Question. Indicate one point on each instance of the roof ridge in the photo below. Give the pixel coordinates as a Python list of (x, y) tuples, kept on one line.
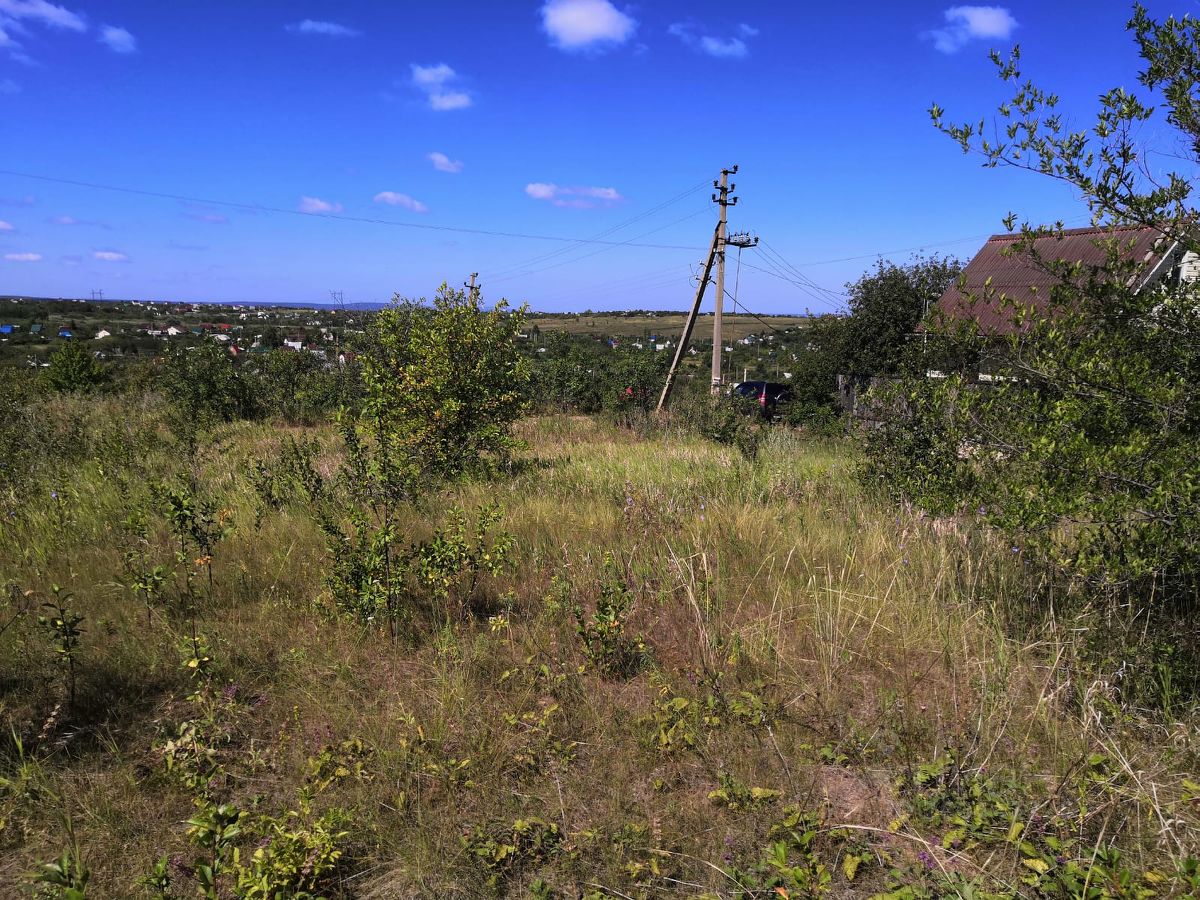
[(1072, 232)]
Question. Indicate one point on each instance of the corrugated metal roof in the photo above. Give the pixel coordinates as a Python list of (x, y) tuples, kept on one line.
[(1017, 279)]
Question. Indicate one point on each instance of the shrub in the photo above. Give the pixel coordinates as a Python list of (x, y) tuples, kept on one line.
[(73, 368), (443, 384)]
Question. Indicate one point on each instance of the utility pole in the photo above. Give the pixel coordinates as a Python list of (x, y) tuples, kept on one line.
[(337, 297), (684, 338), (473, 288), (725, 201)]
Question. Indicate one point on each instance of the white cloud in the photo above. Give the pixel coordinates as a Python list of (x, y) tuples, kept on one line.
[(109, 256), (391, 198), (118, 40), (443, 163), (43, 12), (317, 205), (7, 85), (968, 23), (580, 24), (446, 100), (431, 77), (730, 47), (64, 220), (330, 29), (540, 191), (576, 197), (23, 257), (435, 82), (694, 36), (6, 226)]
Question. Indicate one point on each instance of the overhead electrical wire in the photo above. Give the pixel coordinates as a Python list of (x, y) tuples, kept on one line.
[(787, 267), (341, 217), (566, 262), (506, 270), (792, 281)]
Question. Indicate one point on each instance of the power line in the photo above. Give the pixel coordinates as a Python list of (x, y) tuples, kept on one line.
[(753, 315), (806, 285), (647, 281), (788, 267), (567, 262), (776, 274), (341, 217), (507, 270)]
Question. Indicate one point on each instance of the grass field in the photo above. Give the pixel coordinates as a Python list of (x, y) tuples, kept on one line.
[(662, 325), (811, 693)]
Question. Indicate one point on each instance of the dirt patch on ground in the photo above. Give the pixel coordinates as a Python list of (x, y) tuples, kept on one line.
[(855, 797)]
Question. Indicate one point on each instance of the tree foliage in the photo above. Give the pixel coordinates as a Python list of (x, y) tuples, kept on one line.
[(886, 306), (205, 384), (444, 383), (73, 368), (1087, 443)]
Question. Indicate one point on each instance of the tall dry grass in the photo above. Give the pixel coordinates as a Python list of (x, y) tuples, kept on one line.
[(869, 639)]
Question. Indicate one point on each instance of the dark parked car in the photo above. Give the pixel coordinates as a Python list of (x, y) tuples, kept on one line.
[(769, 395)]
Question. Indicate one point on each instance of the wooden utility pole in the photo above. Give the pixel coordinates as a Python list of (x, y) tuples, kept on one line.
[(472, 288), (681, 347), (725, 201)]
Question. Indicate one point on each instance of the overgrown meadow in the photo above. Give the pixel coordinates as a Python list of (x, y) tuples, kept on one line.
[(651, 666)]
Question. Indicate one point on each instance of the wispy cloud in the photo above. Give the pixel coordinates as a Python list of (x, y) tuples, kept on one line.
[(329, 29), (697, 37), (586, 24), (437, 83), (117, 39), (208, 218), (7, 85), (109, 256), (969, 23), (574, 197), (443, 163), (27, 200), (391, 198), (23, 257), (6, 226), (16, 17), (71, 220), (317, 205), (42, 12)]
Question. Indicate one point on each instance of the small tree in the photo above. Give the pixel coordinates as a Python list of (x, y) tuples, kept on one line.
[(204, 382), (442, 386), (885, 308), (73, 368), (1087, 444), (444, 383)]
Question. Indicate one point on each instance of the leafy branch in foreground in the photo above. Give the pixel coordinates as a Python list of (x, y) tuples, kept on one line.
[(1085, 443)]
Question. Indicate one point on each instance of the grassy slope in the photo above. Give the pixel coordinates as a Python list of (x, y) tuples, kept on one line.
[(867, 634)]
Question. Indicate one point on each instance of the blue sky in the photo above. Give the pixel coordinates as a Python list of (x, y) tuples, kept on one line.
[(561, 119)]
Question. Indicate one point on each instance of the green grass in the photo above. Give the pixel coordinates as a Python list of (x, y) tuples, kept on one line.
[(804, 638)]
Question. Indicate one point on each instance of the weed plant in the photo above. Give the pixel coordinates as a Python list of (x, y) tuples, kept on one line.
[(694, 675)]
